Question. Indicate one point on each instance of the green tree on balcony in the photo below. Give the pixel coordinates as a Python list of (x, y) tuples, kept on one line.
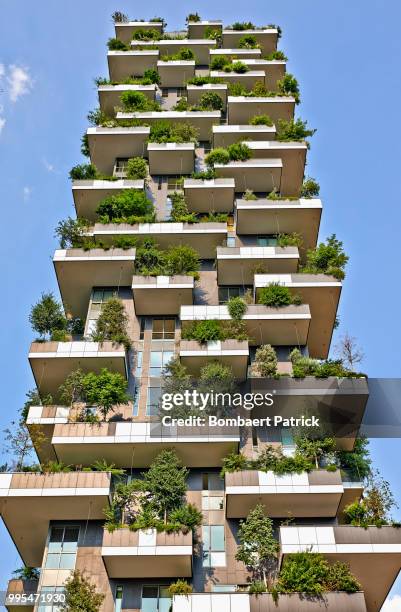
[(112, 323), (81, 594)]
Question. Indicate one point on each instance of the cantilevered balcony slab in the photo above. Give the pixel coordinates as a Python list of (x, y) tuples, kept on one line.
[(237, 265), (175, 73), (203, 237), (171, 158), (214, 195), (88, 194), (259, 175), (293, 157), (29, 501), (265, 602), (161, 295), (106, 144), (236, 54), (110, 95), (147, 554), (116, 441), (52, 362), (126, 64), (266, 38), (17, 590), (202, 120), (316, 494), (280, 217), (126, 30), (78, 271), (246, 79), (285, 326), (322, 293), (241, 109), (232, 353), (373, 554), (195, 92), (225, 135), (273, 70), (198, 29), (200, 47)]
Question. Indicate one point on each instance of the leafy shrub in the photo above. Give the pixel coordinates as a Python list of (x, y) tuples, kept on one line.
[(47, 316), (179, 209), (238, 67), (146, 34), (266, 360), (217, 156), (248, 42), (112, 323), (150, 261), (310, 188), (119, 17), (276, 55), (288, 86), (179, 587), (193, 18), (242, 25), (249, 195), (205, 175), (187, 515), (276, 296), (83, 172), (234, 462), (239, 151), (105, 390), (183, 54), (115, 44), (182, 105), (257, 587), (211, 101), (294, 239), (136, 101), (218, 62), (203, 80), (151, 75), (70, 232), (236, 308), (85, 145), (327, 258), (293, 130), (137, 168), (236, 89), (202, 331), (163, 131), (182, 259), (261, 120), (128, 203)]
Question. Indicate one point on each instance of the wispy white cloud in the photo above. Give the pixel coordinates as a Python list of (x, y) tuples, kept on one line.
[(2, 70), (49, 167), (392, 604), (2, 124), (26, 192), (19, 82)]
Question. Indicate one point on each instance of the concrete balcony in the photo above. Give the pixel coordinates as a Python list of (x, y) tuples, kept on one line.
[(110, 95), (316, 494), (147, 554), (171, 158), (225, 135), (322, 293), (115, 440), (273, 70), (161, 295), (88, 194), (197, 29), (241, 109), (16, 590), (107, 144), (237, 265), (78, 271), (259, 175), (195, 92), (52, 362), (203, 237), (236, 54), (246, 79), (126, 64), (373, 554), (175, 73), (339, 403), (29, 501), (291, 602), (266, 38), (280, 216), (125, 31), (285, 326), (202, 120), (215, 195), (200, 47), (232, 353), (293, 157)]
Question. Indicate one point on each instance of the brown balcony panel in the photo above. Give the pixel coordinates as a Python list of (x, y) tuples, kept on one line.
[(110, 95), (156, 295), (266, 39), (215, 195), (88, 194), (241, 109), (237, 265), (125, 64), (107, 144), (232, 353), (126, 30)]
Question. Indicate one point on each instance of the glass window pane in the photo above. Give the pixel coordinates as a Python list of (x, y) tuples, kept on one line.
[(167, 356), (156, 359), (71, 535), (217, 537), (56, 534), (216, 483), (157, 326), (206, 559), (206, 536), (169, 325), (164, 603), (52, 561), (97, 295), (205, 502), (215, 503), (217, 559), (67, 561)]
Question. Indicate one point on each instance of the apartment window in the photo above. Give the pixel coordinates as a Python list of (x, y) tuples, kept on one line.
[(163, 329), (119, 599), (266, 241), (225, 293), (153, 401), (174, 182), (98, 299), (213, 546), (142, 328), (158, 361), (48, 592), (230, 242), (62, 548), (224, 588), (212, 502), (120, 167), (138, 365), (155, 598), (211, 482)]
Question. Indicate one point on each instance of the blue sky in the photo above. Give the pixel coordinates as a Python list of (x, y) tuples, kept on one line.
[(346, 57)]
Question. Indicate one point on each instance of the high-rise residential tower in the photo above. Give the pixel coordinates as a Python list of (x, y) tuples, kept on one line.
[(194, 263)]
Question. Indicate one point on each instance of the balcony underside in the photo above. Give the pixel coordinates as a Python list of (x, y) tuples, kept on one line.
[(241, 110), (88, 194)]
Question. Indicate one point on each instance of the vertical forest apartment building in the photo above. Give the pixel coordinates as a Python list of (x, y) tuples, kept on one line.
[(198, 223)]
